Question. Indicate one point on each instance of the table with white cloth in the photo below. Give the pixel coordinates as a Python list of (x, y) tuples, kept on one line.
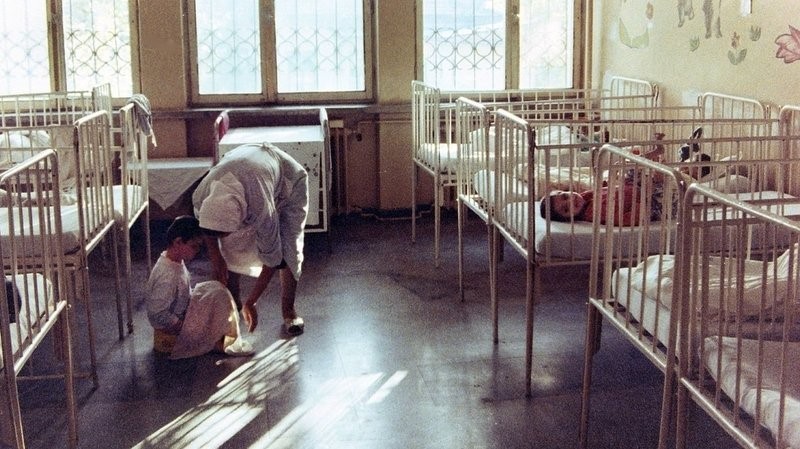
[(170, 178), (308, 146)]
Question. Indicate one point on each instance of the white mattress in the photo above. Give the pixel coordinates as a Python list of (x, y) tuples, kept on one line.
[(135, 201), (484, 186), (549, 137), (69, 223), (650, 286), (575, 240), (770, 387), (448, 156), (651, 315), (569, 240), (36, 299)]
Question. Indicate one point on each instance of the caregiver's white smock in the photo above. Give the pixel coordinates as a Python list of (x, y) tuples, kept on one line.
[(259, 194)]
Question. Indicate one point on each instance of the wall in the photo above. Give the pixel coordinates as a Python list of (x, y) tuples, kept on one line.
[(378, 163), (686, 57)]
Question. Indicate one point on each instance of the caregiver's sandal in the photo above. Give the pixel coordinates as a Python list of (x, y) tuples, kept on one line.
[(293, 326)]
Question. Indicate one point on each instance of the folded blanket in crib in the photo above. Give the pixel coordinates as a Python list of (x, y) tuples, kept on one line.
[(654, 277)]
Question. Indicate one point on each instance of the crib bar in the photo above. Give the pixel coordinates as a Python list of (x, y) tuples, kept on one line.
[(36, 294), (94, 154), (717, 105), (738, 337), (511, 218), (473, 131), (131, 197)]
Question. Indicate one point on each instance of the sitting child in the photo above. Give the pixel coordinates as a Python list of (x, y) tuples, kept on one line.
[(189, 321)]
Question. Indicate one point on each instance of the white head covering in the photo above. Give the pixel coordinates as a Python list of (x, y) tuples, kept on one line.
[(224, 209)]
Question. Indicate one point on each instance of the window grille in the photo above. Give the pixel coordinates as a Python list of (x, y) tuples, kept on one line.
[(92, 42)]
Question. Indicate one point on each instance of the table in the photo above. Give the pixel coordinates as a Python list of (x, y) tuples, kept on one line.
[(169, 178)]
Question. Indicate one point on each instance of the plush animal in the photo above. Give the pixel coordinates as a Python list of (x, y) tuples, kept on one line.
[(690, 152)]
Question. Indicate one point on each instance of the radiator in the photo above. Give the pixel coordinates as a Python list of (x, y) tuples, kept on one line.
[(340, 137)]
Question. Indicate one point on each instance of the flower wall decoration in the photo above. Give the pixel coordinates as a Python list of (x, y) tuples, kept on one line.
[(736, 54), (788, 46)]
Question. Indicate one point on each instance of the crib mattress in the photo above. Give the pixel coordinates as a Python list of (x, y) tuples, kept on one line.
[(136, 200), (574, 241), (37, 300), (570, 241), (447, 155), (69, 222), (645, 309), (726, 347)]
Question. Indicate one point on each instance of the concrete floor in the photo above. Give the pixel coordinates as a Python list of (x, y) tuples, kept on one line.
[(391, 358)]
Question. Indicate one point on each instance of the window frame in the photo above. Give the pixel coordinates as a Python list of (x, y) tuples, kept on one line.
[(512, 48), (269, 71), (57, 54)]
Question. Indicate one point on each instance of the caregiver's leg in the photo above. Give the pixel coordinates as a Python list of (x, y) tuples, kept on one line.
[(233, 286), (288, 291)]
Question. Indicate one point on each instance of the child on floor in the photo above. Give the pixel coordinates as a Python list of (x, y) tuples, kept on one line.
[(189, 321)]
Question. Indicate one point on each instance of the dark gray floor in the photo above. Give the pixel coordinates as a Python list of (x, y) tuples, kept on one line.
[(391, 358)]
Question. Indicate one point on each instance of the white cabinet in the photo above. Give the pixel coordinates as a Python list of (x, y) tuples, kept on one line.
[(310, 146)]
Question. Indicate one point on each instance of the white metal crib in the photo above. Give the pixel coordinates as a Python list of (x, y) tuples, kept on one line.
[(36, 299), (435, 147)]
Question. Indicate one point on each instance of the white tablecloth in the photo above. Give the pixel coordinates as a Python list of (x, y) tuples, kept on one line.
[(169, 178)]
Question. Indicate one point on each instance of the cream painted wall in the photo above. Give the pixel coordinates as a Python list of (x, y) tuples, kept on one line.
[(668, 59), (378, 166), (163, 73), (396, 64)]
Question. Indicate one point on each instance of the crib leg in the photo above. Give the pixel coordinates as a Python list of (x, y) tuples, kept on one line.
[(591, 346), (69, 378), (83, 278), (126, 260), (461, 217), (414, 176), (531, 282), (117, 284), (492, 238), (438, 191)]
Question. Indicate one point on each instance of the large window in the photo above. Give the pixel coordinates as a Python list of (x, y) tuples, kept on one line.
[(279, 50), (88, 43), (498, 44)]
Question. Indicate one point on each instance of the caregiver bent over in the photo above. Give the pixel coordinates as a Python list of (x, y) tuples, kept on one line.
[(252, 207)]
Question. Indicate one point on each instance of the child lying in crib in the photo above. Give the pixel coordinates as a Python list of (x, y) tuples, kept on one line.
[(189, 321), (566, 206)]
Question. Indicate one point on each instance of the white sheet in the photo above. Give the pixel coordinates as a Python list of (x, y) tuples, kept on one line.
[(652, 316), (649, 286), (135, 200), (448, 156), (770, 387), (170, 178), (552, 137), (37, 298), (653, 278), (69, 224), (575, 240)]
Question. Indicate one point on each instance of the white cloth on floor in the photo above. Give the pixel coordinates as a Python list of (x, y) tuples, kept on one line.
[(210, 316)]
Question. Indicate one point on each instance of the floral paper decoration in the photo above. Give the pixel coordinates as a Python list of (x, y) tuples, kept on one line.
[(788, 46)]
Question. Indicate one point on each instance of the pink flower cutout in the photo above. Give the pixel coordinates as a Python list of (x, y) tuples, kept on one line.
[(788, 46)]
